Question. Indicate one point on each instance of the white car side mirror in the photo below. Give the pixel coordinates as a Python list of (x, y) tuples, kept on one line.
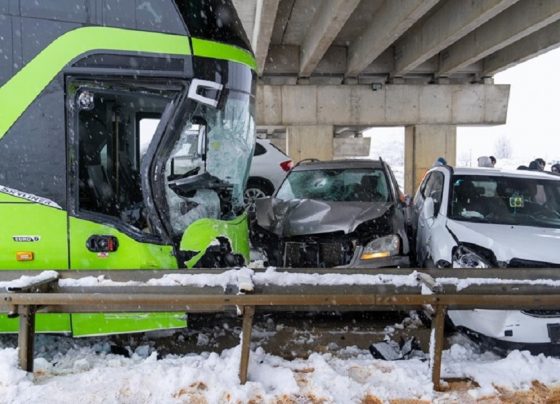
[(428, 211)]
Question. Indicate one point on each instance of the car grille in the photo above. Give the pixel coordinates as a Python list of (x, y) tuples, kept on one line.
[(304, 254)]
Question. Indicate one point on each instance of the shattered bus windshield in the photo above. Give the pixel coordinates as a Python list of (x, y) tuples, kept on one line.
[(506, 200), (209, 163), (336, 185)]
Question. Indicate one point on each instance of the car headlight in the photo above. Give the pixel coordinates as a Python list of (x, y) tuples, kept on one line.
[(464, 257), (382, 247)]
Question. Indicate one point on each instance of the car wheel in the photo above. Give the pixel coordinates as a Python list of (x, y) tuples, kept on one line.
[(256, 189)]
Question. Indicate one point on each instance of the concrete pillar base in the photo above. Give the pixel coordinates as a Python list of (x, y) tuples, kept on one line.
[(423, 144), (305, 142)]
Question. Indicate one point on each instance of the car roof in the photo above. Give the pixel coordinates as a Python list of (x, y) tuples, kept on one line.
[(337, 164), (500, 172)]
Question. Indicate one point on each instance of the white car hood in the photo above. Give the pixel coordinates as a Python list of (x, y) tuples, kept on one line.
[(507, 241)]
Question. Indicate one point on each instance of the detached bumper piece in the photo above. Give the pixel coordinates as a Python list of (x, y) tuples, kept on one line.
[(391, 351)]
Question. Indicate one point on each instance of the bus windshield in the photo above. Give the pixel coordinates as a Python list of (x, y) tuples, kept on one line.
[(208, 166)]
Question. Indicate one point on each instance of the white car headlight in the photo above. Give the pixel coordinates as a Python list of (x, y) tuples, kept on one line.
[(464, 257), (382, 247)]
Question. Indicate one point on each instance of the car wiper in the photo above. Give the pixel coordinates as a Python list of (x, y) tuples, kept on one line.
[(475, 219)]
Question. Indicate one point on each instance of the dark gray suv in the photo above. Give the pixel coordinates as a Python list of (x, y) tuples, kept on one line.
[(334, 214)]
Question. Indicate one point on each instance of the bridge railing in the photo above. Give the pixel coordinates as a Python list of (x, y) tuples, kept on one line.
[(248, 291)]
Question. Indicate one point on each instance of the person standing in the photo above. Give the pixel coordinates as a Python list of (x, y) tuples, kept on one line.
[(484, 161)]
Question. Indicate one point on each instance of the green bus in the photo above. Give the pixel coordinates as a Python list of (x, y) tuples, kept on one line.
[(126, 133)]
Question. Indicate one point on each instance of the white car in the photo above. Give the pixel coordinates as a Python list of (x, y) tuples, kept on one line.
[(268, 169), (482, 218)]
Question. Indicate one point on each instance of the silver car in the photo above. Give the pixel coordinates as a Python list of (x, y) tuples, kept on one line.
[(334, 214)]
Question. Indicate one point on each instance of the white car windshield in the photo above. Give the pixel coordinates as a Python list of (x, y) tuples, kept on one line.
[(336, 185), (506, 200)]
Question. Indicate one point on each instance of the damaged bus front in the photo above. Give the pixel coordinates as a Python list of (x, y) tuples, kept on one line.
[(126, 143)]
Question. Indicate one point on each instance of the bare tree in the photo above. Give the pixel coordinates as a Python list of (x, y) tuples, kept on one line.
[(503, 148)]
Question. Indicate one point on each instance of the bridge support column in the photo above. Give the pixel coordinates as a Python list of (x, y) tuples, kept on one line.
[(314, 141), (422, 146)]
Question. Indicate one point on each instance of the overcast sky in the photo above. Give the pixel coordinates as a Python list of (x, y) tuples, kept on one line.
[(533, 121)]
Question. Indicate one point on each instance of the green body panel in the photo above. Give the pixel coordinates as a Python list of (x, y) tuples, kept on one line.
[(44, 323), (217, 50), (20, 91), (29, 219), (86, 325), (7, 198), (200, 234), (131, 254)]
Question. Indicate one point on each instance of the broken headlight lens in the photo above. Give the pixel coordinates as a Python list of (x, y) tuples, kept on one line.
[(464, 257), (382, 247)]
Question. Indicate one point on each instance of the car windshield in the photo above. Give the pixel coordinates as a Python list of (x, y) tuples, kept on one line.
[(336, 185), (506, 200)]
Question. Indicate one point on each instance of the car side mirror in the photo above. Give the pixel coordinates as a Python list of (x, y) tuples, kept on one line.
[(428, 209)]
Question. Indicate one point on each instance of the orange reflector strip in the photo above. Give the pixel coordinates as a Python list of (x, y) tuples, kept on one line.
[(24, 256)]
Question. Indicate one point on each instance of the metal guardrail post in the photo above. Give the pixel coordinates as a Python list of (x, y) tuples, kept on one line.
[(26, 337), (438, 325), (248, 314)]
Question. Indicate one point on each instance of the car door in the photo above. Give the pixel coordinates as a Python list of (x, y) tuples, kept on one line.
[(433, 188)]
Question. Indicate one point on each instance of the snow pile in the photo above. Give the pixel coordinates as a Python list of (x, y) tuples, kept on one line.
[(514, 372), (461, 284), (93, 375), (271, 276), (218, 279), (25, 280), (243, 275)]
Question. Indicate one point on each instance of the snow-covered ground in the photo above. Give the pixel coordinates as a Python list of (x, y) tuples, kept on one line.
[(72, 371)]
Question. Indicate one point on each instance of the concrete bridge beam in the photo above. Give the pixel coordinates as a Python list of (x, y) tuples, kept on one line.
[(390, 105), (332, 17), (454, 20), (392, 20), (262, 31), (529, 47), (515, 23)]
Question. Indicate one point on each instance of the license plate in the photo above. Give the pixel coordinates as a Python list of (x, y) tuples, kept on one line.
[(554, 333)]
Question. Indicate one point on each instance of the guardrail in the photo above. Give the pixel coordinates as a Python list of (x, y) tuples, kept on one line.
[(248, 291)]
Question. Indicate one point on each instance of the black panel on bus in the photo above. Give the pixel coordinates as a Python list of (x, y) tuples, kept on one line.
[(215, 20)]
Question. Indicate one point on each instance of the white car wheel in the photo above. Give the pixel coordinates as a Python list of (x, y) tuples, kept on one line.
[(250, 195)]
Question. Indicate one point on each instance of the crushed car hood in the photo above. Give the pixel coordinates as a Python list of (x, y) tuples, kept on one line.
[(298, 217), (508, 242)]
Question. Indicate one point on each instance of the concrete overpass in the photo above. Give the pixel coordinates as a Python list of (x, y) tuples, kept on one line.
[(330, 67)]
